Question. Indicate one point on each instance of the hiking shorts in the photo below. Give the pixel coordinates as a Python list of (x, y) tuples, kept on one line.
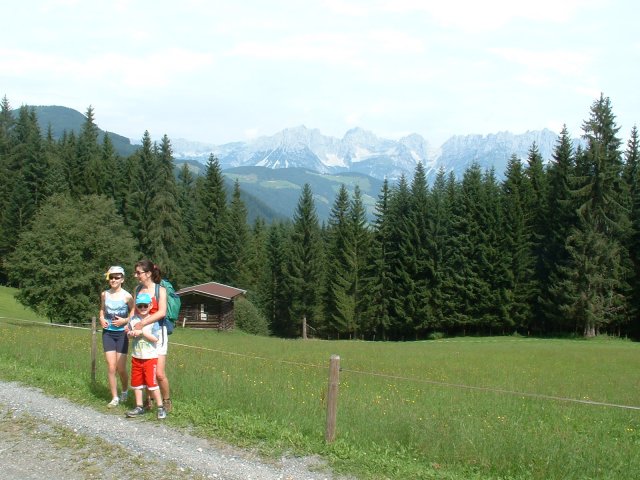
[(163, 342), (143, 373), (115, 340)]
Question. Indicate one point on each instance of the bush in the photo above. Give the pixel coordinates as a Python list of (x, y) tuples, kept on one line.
[(249, 319)]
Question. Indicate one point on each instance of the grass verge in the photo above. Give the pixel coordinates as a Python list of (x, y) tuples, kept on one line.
[(485, 408)]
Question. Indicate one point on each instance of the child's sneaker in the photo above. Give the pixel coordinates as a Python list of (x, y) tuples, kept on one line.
[(162, 413), (123, 396), (136, 412), (113, 403)]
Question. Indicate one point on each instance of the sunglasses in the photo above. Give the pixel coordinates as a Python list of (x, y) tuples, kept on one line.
[(115, 277), (139, 273), (142, 305)]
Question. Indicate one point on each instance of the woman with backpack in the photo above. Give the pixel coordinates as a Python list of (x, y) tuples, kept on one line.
[(149, 278)]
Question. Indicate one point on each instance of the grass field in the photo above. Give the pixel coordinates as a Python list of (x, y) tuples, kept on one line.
[(499, 408)]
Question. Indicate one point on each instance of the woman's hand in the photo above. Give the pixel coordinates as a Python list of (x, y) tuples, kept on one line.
[(104, 323)]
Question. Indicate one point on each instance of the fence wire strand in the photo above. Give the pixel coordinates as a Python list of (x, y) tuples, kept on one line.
[(539, 396)]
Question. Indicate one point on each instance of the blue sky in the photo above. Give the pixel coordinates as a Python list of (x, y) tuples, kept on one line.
[(227, 71)]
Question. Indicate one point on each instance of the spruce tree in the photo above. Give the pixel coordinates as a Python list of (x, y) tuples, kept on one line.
[(166, 232), (275, 289), (140, 174), (538, 213), (422, 247), (187, 206), (378, 315), (439, 229), (239, 241), (517, 244), (304, 270), (561, 220), (211, 225), (603, 228), (339, 307), (404, 295), (87, 174), (632, 180), (359, 253)]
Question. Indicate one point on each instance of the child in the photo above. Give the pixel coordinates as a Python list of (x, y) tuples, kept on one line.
[(144, 358)]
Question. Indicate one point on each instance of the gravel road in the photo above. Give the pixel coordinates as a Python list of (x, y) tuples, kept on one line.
[(46, 437)]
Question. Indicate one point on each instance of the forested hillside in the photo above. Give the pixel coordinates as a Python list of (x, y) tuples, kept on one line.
[(548, 250)]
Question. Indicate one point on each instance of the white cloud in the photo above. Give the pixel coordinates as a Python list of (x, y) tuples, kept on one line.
[(562, 62), (475, 16)]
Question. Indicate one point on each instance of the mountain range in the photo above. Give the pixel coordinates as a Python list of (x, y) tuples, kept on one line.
[(271, 170), (363, 152)]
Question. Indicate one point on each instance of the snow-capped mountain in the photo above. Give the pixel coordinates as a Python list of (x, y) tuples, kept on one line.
[(363, 152)]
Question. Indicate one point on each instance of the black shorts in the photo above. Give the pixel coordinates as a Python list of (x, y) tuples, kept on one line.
[(117, 341)]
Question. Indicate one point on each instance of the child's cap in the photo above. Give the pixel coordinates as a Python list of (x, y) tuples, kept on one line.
[(144, 298)]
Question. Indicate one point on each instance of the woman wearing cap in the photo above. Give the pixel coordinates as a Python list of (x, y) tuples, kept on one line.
[(149, 278), (116, 306)]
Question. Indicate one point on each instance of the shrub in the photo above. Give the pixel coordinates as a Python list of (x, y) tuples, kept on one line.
[(249, 319)]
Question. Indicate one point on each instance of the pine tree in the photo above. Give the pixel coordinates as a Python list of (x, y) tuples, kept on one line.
[(304, 270), (187, 206), (403, 296), (87, 174), (422, 247), (275, 291), (166, 232), (140, 174), (517, 244), (466, 287), (211, 229), (603, 224), (536, 205), (440, 231), (339, 307), (359, 254), (26, 165), (239, 241), (561, 220), (632, 180), (379, 277)]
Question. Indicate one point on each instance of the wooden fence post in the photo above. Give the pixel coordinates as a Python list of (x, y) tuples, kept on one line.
[(93, 350), (332, 398), (304, 327)]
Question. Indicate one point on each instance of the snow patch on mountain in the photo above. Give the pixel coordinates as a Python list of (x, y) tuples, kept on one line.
[(362, 151)]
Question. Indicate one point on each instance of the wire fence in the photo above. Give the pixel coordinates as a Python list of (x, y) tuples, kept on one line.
[(387, 376)]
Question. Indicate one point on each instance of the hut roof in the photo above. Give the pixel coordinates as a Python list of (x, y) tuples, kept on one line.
[(213, 290)]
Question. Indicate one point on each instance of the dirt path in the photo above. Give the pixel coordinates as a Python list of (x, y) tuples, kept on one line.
[(52, 438)]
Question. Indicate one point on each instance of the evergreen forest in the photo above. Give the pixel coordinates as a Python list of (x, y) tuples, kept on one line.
[(550, 249)]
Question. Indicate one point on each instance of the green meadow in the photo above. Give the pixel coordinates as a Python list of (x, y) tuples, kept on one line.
[(463, 408)]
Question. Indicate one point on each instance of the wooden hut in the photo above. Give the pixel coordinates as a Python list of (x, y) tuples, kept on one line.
[(208, 305)]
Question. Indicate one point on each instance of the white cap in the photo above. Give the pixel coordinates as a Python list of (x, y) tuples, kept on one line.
[(116, 269)]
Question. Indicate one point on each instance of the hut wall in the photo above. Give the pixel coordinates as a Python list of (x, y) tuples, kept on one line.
[(204, 312)]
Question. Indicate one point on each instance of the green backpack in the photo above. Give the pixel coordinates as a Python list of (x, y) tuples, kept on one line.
[(173, 305)]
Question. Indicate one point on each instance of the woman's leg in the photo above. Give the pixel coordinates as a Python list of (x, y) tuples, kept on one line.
[(163, 381), (121, 367), (111, 358)]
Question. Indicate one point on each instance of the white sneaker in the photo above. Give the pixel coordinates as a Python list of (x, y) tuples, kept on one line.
[(113, 403), (123, 396)]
